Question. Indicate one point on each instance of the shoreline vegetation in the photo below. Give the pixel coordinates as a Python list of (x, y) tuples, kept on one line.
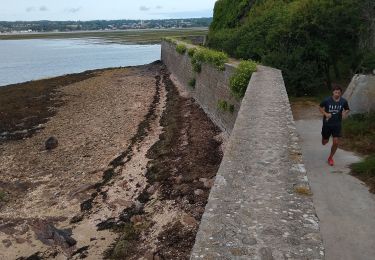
[(142, 36)]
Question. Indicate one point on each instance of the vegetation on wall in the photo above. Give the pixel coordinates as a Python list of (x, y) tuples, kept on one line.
[(204, 55), (192, 82), (239, 81), (181, 48), (224, 106), (312, 42)]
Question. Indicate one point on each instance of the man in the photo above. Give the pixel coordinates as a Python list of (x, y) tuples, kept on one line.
[(333, 109)]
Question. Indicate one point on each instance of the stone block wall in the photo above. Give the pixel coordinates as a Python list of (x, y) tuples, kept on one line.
[(211, 86)]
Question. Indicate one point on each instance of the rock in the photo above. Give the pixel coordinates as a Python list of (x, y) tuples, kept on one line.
[(152, 189), (136, 219), (50, 235), (86, 205), (178, 179), (20, 240), (76, 219), (51, 143), (209, 183), (199, 192), (7, 243), (361, 94), (189, 221)]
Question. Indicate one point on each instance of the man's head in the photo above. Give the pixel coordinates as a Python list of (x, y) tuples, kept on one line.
[(336, 91)]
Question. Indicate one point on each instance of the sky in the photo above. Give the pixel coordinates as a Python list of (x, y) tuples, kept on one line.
[(60, 10)]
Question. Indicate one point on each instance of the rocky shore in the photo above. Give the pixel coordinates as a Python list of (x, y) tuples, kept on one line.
[(129, 174)]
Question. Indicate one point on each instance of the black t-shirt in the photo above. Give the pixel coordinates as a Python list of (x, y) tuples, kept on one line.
[(334, 108)]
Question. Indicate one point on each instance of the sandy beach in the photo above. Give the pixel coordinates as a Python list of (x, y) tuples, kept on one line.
[(130, 175)]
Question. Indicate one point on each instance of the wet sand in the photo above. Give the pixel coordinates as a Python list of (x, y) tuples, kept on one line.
[(134, 158)]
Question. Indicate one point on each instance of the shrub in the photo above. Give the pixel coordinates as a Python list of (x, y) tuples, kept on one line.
[(191, 52), (231, 108), (222, 105), (204, 55), (241, 77), (192, 82), (181, 48), (3, 196)]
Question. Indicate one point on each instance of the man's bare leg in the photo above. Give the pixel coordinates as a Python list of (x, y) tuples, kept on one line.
[(325, 141), (334, 147)]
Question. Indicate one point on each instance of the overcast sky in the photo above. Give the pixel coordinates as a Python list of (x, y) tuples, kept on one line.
[(30, 10)]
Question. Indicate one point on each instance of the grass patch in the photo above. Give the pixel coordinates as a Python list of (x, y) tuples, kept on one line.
[(191, 52), (365, 171), (359, 133), (192, 82), (241, 77), (181, 48), (3, 196), (231, 108)]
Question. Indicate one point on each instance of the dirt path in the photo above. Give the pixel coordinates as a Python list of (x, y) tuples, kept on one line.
[(343, 204), (110, 182)]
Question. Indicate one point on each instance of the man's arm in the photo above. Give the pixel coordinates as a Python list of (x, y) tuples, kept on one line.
[(324, 113), (346, 110)]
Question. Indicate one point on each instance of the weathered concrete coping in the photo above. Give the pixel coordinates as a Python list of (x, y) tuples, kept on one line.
[(254, 210)]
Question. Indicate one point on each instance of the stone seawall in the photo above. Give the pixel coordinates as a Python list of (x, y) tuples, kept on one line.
[(260, 206), (211, 85)]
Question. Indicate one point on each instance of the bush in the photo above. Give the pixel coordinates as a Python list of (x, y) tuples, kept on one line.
[(192, 83), (204, 55), (191, 52), (181, 48), (222, 105), (240, 79)]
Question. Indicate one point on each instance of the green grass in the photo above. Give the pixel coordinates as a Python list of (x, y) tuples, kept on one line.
[(181, 48), (192, 82), (359, 136), (240, 79), (3, 196), (132, 36), (366, 167), (359, 133), (365, 171)]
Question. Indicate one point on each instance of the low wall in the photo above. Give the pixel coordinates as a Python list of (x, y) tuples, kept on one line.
[(211, 85), (259, 206)]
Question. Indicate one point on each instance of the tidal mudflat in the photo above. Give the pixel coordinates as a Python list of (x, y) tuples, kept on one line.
[(129, 178)]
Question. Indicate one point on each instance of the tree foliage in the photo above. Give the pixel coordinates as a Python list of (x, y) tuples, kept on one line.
[(312, 42)]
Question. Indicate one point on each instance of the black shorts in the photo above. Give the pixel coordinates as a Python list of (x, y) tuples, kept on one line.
[(328, 130)]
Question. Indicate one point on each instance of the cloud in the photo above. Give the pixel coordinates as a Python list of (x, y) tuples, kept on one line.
[(144, 8), (158, 7), (73, 10), (30, 9), (186, 14), (43, 8)]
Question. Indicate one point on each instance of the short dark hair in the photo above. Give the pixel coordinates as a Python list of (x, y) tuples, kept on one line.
[(336, 87)]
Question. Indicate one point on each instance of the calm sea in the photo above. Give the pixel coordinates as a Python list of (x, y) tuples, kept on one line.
[(24, 60)]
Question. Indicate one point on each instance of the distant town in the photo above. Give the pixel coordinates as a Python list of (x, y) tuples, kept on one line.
[(68, 26)]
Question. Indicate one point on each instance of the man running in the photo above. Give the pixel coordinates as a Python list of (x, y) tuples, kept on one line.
[(333, 109)]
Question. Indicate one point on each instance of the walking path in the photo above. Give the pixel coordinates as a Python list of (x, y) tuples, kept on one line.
[(344, 206)]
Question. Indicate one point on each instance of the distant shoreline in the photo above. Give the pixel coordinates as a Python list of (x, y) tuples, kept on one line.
[(128, 35)]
